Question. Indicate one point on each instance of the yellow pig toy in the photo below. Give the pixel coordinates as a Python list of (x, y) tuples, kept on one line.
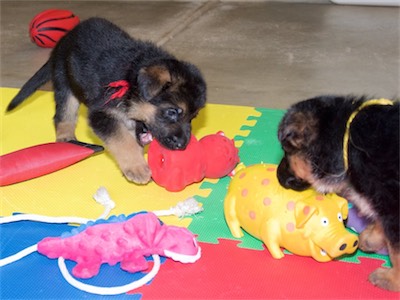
[(305, 223)]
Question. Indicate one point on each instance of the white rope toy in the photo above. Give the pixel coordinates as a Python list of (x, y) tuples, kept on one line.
[(182, 209)]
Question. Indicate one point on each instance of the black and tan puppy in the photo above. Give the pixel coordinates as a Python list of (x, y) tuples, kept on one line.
[(350, 146), (133, 90)]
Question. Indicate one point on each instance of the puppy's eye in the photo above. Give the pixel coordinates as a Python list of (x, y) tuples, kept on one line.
[(166, 86), (173, 114)]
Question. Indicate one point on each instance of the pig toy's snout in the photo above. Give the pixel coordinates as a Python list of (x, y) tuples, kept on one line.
[(344, 246), (351, 244), (347, 244)]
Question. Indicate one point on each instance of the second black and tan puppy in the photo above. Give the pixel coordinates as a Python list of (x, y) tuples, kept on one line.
[(350, 146), (133, 90)]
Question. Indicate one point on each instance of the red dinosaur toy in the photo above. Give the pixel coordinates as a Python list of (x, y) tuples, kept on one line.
[(213, 156)]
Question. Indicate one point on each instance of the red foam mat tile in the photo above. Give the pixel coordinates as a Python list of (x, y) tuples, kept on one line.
[(227, 272)]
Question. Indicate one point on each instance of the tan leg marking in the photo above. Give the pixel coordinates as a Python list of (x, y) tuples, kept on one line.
[(372, 239), (65, 129), (388, 278), (129, 156)]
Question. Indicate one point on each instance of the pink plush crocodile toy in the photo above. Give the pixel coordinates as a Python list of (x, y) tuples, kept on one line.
[(123, 239)]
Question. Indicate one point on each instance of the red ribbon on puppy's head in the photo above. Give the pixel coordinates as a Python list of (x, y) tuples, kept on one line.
[(122, 87)]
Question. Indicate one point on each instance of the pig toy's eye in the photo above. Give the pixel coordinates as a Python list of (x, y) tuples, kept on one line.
[(339, 216), (324, 222)]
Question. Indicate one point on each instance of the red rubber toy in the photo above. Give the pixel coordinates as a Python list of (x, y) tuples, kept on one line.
[(42, 159), (213, 156), (49, 26)]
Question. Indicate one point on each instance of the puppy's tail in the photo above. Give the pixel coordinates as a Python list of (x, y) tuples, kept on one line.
[(36, 81)]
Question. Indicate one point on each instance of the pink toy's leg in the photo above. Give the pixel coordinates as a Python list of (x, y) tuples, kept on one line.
[(134, 263), (86, 269)]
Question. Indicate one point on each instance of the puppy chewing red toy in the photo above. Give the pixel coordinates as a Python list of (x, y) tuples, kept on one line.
[(213, 156)]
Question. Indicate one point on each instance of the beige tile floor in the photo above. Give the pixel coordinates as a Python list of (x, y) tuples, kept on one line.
[(262, 54)]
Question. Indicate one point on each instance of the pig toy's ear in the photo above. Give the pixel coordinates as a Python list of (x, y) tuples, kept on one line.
[(344, 207), (341, 202), (303, 212)]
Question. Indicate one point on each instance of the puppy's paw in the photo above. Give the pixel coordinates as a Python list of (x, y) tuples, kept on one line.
[(140, 174), (372, 239), (65, 131), (386, 279), (368, 244), (66, 139)]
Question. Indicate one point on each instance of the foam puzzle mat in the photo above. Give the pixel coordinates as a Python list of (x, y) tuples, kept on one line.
[(229, 268)]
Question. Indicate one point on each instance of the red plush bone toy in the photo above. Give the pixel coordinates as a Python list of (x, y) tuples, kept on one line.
[(213, 156)]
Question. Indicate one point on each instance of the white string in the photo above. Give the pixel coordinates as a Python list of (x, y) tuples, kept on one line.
[(44, 219), (109, 290), (103, 197), (17, 256), (37, 218), (182, 209)]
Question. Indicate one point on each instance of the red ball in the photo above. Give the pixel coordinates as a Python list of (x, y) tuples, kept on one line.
[(49, 26)]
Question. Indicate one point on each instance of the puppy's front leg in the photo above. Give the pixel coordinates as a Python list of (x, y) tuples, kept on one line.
[(67, 107), (122, 145), (388, 278), (372, 239)]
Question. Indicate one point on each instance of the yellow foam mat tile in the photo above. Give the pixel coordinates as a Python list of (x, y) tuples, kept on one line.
[(69, 192)]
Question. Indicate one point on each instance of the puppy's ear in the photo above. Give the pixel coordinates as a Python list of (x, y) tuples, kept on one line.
[(152, 79), (297, 131)]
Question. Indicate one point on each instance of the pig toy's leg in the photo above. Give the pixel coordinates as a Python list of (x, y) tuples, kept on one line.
[(231, 217), (270, 233)]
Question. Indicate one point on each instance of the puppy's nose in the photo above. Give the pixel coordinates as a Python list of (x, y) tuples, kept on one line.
[(176, 143), (290, 182), (296, 184)]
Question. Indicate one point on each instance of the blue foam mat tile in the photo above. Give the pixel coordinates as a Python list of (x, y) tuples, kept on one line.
[(38, 277)]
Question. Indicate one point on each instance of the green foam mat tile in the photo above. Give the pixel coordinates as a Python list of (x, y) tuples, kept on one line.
[(260, 145)]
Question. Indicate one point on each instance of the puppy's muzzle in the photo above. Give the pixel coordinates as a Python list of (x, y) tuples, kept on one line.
[(176, 137), (175, 142), (287, 179)]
